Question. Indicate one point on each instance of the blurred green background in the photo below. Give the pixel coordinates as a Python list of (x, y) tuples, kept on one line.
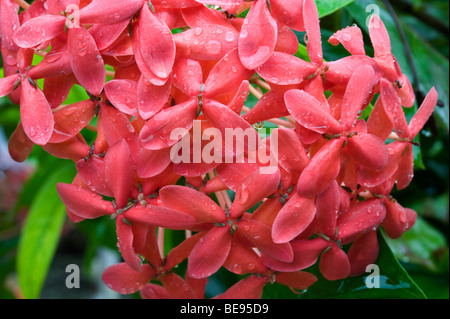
[(37, 241)]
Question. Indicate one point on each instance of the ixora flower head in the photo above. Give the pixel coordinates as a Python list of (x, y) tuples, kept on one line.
[(323, 199)]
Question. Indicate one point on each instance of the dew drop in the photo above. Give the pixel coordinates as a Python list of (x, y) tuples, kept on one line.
[(229, 36), (347, 37), (198, 31), (244, 194), (237, 269), (244, 33), (213, 46)]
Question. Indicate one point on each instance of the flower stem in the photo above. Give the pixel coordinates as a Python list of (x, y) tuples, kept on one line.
[(255, 92), (161, 241), (23, 4)]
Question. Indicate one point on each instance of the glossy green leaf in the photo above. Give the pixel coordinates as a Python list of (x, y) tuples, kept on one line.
[(327, 7), (41, 232), (420, 245)]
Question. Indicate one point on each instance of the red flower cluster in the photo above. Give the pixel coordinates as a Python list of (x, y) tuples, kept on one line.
[(325, 199)]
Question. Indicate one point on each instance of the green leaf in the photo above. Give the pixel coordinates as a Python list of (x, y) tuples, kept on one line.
[(40, 234), (419, 245), (395, 283), (327, 7)]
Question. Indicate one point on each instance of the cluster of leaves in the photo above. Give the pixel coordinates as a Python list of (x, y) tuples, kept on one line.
[(428, 254)]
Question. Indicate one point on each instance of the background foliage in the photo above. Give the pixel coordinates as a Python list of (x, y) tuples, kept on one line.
[(37, 240)]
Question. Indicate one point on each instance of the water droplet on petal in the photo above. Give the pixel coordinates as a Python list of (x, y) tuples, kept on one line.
[(198, 31), (213, 46), (229, 36)]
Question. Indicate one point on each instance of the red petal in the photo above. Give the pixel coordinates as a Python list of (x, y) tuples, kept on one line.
[(363, 252), (35, 113), (153, 291), (379, 124), (239, 98), (198, 286), (177, 287), (57, 88), (19, 145), (363, 217), (83, 202), (210, 252), (206, 42), (358, 91), (423, 113), (406, 92), (327, 205), (141, 62), (379, 37), (248, 288), (9, 11), (405, 171), (322, 170), (396, 221), (192, 202), (242, 259), (157, 47), (109, 11), (370, 178), (188, 76), (291, 154), (151, 163), (351, 38), (92, 172), (334, 264), (85, 60), (233, 174), (226, 75), (151, 98), (159, 131), (306, 253), (287, 41), (74, 149), (123, 95), (293, 218), (39, 29), (125, 239), (7, 84), (260, 236), (270, 106), (125, 280), (293, 17), (285, 69), (106, 35), (179, 253), (230, 124), (298, 280), (71, 119), (159, 216), (393, 108), (310, 113), (312, 27), (200, 16), (179, 4), (368, 151), (256, 44), (119, 172), (341, 71), (253, 189), (116, 126)]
